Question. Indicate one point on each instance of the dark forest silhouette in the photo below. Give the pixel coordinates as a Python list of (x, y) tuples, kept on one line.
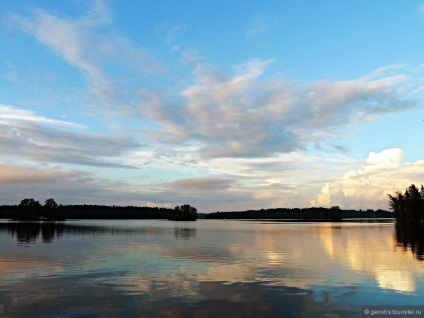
[(184, 213), (408, 209), (307, 214), (409, 206), (31, 210)]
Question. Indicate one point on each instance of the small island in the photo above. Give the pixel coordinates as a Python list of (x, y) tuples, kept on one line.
[(184, 213), (31, 210)]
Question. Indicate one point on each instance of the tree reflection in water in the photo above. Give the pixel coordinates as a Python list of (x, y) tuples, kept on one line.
[(411, 236), (184, 233), (229, 268), (29, 232)]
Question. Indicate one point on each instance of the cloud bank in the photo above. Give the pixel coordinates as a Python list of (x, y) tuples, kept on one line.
[(367, 187)]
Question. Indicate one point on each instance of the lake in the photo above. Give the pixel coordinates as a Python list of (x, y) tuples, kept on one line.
[(207, 268)]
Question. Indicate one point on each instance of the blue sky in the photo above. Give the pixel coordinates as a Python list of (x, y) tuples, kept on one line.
[(225, 105)]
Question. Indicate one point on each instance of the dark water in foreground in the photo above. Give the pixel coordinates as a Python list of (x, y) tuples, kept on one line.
[(207, 268)]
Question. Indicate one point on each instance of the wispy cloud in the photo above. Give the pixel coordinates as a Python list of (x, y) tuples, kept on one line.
[(25, 134), (249, 114), (169, 31), (84, 43), (202, 184), (68, 39), (10, 114), (260, 24)]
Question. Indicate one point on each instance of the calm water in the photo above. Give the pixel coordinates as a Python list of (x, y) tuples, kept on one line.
[(206, 268)]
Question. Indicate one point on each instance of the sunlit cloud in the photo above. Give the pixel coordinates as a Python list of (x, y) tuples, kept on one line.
[(15, 174), (367, 187)]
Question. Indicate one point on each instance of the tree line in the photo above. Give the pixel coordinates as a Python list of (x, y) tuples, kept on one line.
[(408, 206), (32, 210), (308, 214)]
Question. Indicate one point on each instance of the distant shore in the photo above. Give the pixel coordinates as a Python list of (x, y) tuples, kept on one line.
[(315, 214), (353, 220)]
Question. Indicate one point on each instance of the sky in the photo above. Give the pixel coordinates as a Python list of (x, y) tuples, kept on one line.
[(224, 105)]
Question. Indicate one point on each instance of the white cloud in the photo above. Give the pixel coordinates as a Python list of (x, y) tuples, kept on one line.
[(12, 114), (389, 158), (250, 115), (367, 187), (69, 39)]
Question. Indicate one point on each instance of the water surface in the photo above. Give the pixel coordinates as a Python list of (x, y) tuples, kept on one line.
[(206, 268)]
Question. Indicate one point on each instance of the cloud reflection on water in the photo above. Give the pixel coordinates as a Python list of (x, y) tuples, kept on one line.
[(157, 261)]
